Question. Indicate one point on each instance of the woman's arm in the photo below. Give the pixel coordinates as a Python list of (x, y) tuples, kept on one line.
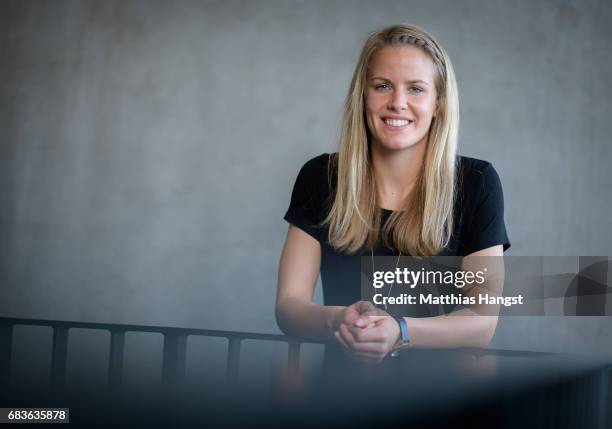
[(375, 335), (299, 267), (473, 327)]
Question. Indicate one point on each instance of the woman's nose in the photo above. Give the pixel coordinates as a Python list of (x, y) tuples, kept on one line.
[(398, 101)]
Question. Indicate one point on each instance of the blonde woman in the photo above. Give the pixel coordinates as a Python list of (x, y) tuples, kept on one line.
[(396, 187)]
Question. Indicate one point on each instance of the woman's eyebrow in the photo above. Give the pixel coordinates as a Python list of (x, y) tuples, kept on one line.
[(408, 81)]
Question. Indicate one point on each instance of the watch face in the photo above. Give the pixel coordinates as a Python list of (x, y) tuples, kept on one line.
[(399, 344), (398, 347)]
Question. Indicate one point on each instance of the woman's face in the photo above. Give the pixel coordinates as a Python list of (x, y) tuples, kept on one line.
[(400, 96)]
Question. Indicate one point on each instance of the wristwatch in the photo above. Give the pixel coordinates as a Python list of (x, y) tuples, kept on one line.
[(404, 338)]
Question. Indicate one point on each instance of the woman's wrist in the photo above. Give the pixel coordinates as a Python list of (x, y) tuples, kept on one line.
[(334, 315)]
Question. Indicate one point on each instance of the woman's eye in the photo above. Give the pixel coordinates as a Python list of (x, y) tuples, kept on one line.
[(382, 87), (415, 89)]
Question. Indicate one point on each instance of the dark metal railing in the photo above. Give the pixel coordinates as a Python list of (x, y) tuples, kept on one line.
[(174, 347)]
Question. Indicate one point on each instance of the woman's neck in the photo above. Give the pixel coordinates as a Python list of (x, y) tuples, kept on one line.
[(396, 173)]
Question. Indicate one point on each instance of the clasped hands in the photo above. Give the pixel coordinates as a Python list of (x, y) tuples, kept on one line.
[(366, 333)]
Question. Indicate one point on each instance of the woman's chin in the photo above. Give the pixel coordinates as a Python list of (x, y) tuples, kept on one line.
[(395, 145)]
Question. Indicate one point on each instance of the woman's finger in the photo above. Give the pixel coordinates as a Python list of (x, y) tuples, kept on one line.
[(360, 356), (347, 336), (364, 307), (341, 341), (351, 314), (365, 320), (369, 334)]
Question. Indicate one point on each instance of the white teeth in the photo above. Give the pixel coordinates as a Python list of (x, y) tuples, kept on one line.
[(397, 122)]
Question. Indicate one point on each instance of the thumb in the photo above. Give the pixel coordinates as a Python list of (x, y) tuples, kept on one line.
[(365, 306), (369, 321)]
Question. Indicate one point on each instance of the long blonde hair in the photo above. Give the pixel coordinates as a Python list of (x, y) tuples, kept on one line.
[(425, 224)]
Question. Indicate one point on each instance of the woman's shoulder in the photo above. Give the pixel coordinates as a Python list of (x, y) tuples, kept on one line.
[(319, 163), (475, 172), (310, 195), (473, 166), (480, 208), (479, 186), (317, 171), (314, 177)]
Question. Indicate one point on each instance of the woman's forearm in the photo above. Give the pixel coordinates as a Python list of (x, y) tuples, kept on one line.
[(458, 329), (468, 327), (301, 318)]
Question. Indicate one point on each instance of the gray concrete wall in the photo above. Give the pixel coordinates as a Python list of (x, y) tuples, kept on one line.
[(148, 148)]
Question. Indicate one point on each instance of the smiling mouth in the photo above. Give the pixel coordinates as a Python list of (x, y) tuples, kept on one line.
[(398, 123)]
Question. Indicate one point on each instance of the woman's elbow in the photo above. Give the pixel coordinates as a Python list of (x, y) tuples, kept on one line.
[(488, 324), (281, 319)]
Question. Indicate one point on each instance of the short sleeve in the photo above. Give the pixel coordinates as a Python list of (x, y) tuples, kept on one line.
[(486, 227), (305, 208)]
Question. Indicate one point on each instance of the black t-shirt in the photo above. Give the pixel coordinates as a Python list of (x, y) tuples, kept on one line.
[(478, 221)]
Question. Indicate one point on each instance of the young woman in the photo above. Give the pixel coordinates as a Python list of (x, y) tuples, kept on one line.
[(396, 187)]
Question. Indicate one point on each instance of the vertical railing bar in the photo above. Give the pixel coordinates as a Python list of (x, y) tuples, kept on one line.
[(294, 356), (181, 358), (6, 343), (58, 357), (173, 365), (233, 359), (115, 358)]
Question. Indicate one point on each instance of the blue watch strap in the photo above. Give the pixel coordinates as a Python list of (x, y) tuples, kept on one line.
[(404, 333)]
